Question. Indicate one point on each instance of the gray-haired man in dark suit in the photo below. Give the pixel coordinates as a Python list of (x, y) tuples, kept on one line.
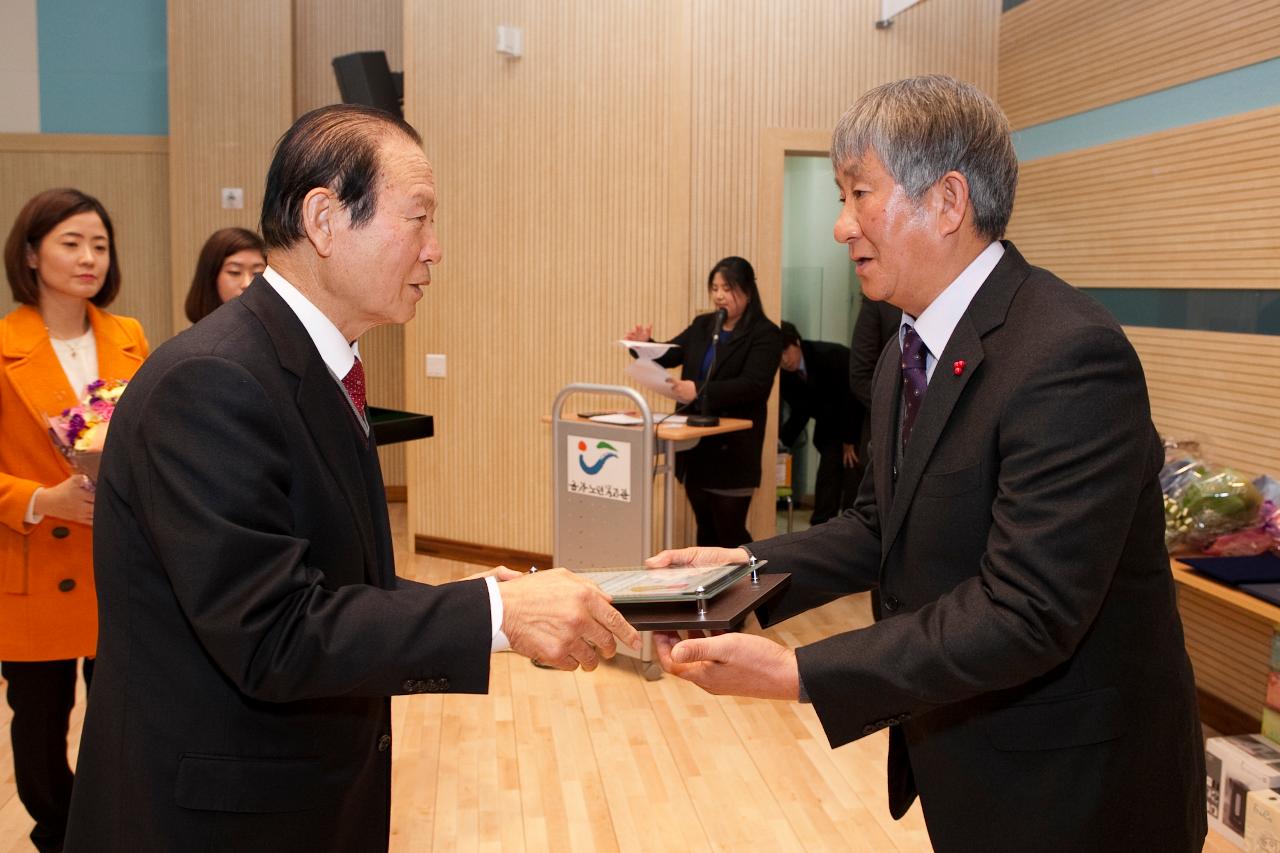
[(1028, 657)]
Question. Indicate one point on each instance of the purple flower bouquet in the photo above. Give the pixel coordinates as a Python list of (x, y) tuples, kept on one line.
[(80, 431)]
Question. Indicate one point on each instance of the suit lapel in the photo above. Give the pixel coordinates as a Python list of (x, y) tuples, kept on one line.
[(323, 407), (986, 312)]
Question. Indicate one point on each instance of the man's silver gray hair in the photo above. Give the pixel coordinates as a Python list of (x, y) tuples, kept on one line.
[(923, 127)]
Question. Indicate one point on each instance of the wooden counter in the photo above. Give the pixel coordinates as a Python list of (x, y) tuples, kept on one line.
[(1228, 636)]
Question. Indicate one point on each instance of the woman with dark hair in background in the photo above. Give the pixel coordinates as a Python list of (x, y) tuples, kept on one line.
[(60, 259), (231, 257), (722, 471)]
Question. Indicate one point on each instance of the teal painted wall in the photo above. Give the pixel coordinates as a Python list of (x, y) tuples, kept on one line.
[(104, 66), (1242, 90)]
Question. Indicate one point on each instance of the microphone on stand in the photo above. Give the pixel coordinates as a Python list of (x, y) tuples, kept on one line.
[(703, 419)]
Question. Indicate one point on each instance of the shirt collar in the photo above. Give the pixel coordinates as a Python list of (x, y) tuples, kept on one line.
[(338, 355), (936, 323)]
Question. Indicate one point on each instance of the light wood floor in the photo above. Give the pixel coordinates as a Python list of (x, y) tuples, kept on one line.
[(609, 761)]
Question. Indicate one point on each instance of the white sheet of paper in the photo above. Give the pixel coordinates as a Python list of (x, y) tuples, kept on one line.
[(649, 374), (618, 418), (647, 349)]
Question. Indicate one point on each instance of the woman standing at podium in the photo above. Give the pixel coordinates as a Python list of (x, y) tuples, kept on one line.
[(731, 380)]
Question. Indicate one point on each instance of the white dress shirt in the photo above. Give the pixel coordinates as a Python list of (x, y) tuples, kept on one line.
[(339, 356), (936, 323)]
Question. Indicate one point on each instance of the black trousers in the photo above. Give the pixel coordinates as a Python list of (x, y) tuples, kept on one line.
[(835, 487), (41, 694), (722, 520)]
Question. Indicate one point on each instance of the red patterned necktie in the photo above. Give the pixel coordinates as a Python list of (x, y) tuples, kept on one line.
[(354, 383)]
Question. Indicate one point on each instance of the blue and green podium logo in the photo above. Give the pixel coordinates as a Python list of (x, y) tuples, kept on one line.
[(594, 468)]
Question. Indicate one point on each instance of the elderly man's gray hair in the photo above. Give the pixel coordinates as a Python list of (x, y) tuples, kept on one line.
[(923, 127)]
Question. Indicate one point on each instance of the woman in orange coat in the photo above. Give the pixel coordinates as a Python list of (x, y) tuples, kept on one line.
[(60, 259)]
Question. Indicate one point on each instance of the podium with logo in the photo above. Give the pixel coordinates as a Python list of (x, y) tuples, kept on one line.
[(603, 477)]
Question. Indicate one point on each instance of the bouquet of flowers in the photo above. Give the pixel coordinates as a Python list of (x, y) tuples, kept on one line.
[(1203, 502), (80, 431)]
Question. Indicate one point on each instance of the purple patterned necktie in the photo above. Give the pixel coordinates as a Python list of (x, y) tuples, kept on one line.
[(914, 380)]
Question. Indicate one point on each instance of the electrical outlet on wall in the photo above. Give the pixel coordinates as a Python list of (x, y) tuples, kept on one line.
[(436, 367), (232, 198)]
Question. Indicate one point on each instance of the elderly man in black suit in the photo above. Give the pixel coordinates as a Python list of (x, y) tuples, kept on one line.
[(1028, 657), (815, 386), (253, 627)]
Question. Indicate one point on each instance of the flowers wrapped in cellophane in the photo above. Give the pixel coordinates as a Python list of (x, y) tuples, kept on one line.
[(80, 432), (1203, 502)]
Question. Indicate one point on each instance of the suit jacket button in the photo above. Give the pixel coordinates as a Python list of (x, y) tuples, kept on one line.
[(60, 532), (409, 685), (439, 685), (384, 743), (891, 603), (866, 730), (66, 584)]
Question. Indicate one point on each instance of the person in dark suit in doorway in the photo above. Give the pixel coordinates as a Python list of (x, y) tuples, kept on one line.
[(815, 386), (252, 626), (1027, 659)]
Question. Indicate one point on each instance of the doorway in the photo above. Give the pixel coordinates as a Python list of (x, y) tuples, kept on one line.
[(819, 288)]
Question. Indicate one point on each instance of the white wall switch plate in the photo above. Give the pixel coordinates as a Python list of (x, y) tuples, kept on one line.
[(232, 198)]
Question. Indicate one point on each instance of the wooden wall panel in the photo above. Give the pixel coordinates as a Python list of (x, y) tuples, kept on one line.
[(230, 98), (1229, 648), (761, 64), (1216, 388), (1061, 57), (1189, 207), (129, 175), (590, 185), (323, 29), (560, 228)]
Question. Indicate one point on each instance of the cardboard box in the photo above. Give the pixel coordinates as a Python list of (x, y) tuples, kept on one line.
[(1262, 829), (1234, 766)]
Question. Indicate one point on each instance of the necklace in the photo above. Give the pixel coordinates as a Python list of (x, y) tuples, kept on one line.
[(73, 346)]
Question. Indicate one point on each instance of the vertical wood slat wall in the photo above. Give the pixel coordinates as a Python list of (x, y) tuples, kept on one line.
[(1061, 57), (323, 29), (559, 229), (223, 123), (590, 185), (129, 175), (1191, 207)]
